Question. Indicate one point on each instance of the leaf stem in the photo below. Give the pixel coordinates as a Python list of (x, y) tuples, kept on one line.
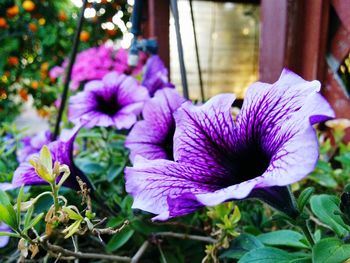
[(55, 197), (307, 232)]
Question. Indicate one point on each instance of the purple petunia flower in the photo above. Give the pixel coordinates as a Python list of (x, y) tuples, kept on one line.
[(33, 144), (156, 75), (271, 145), (152, 137), (62, 151), (116, 100)]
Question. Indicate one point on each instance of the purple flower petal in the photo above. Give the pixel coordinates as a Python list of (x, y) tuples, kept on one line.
[(116, 100), (33, 144), (4, 239), (156, 75), (151, 186), (6, 186), (278, 118), (273, 144), (62, 151), (204, 134), (152, 137)]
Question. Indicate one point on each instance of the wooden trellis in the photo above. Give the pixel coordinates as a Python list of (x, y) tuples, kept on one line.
[(310, 37)]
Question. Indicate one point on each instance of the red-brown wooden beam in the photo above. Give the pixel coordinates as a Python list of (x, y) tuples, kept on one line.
[(293, 35), (273, 39), (157, 26)]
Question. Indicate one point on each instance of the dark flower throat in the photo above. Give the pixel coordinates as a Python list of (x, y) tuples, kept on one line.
[(109, 107)]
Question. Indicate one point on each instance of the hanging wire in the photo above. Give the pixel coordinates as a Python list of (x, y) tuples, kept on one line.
[(72, 57), (175, 11), (197, 53)]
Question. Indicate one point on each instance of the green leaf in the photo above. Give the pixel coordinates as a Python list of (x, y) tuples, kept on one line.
[(115, 221), (326, 208), (72, 214), (19, 201), (324, 179), (287, 238), (46, 158), (8, 216), (270, 255), (9, 234), (144, 227), (72, 229), (7, 213), (241, 245), (114, 171), (119, 239), (28, 216), (33, 222), (330, 250), (92, 168), (304, 197), (4, 199)]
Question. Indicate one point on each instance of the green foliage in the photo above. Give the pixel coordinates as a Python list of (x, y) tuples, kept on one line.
[(117, 241), (272, 255), (330, 250), (304, 197), (241, 245), (326, 208), (246, 231), (284, 238), (9, 141), (7, 212)]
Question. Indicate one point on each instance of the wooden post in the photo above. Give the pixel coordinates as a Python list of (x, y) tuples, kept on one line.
[(158, 27), (273, 39)]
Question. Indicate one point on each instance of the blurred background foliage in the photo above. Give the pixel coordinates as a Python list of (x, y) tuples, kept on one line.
[(36, 35)]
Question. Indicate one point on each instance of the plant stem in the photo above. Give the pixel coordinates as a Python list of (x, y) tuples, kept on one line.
[(186, 236), (55, 197), (72, 57), (307, 232)]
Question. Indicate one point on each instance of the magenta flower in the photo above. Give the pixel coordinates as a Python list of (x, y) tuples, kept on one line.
[(62, 151), (56, 72), (116, 100), (152, 137), (271, 145), (33, 144), (156, 75), (94, 63)]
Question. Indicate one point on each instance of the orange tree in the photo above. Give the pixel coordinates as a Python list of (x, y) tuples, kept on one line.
[(35, 35)]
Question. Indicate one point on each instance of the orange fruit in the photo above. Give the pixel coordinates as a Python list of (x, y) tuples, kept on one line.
[(12, 60), (43, 113), (42, 21), (3, 95), (62, 16), (44, 67), (28, 5), (23, 94), (84, 36), (7, 73), (33, 27), (12, 11), (34, 84), (3, 22)]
